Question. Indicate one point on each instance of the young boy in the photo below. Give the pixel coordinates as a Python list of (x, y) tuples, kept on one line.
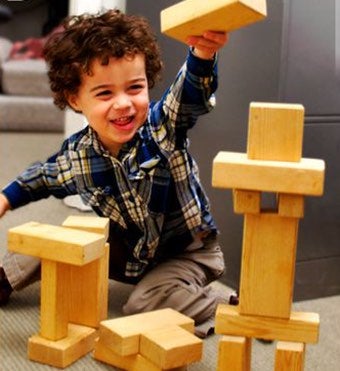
[(131, 164)]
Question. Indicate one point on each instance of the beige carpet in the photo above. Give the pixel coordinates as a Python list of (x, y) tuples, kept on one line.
[(20, 318)]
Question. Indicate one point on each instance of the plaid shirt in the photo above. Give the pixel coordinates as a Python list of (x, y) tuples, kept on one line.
[(151, 192)]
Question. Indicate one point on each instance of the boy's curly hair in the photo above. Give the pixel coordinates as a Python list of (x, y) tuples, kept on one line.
[(70, 53)]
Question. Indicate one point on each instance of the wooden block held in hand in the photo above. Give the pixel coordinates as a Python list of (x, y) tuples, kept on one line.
[(193, 17)]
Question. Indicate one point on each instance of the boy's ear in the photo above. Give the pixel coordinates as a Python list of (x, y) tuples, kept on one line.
[(73, 102)]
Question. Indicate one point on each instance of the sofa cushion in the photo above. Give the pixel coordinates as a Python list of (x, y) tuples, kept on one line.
[(25, 77), (18, 113)]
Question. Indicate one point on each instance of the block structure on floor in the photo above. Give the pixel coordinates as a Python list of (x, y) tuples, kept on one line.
[(193, 17), (157, 340), (74, 285), (272, 164)]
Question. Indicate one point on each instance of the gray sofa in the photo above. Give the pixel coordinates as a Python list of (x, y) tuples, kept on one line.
[(26, 103)]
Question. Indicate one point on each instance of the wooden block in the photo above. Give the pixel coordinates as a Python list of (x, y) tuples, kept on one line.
[(234, 170), (135, 362), (171, 347), (246, 201), (88, 287), (300, 327), (291, 205), (268, 265), (62, 353), (234, 353), (193, 17), (289, 356), (93, 224), (275, 131), (53, 301), (56, 243), (122, 334)]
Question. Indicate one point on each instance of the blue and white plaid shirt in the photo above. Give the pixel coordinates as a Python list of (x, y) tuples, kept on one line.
[(151, 192)]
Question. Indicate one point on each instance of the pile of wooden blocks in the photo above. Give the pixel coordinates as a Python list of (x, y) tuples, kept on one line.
[(74, 285), (272, 165), (154, 341)]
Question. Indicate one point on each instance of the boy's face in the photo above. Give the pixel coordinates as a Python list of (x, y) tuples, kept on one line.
[(114, 99)]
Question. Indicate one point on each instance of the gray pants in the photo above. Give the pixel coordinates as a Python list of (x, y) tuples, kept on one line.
[(180, 283)]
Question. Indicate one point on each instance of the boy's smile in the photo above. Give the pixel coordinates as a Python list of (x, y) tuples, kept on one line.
[(115, 99)]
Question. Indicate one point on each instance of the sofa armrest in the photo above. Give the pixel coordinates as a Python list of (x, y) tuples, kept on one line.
[(5, 48)]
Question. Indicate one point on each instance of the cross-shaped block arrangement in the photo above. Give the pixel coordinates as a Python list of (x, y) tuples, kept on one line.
[(193, 17), (74, 285), (272, 166), (158, 340)]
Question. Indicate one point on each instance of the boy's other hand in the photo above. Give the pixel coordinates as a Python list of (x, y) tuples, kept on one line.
[(4, 205), (208, 44)]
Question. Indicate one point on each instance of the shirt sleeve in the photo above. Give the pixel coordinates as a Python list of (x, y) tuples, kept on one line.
[(41, 180), (192, 92)]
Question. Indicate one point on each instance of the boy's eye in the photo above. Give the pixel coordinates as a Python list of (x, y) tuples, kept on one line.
[(103, 93), (136, 87)]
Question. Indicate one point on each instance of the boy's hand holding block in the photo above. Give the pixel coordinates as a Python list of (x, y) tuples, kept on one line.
[(193, 17)]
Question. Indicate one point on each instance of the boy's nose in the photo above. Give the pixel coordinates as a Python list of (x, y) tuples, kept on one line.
[(121, 103)]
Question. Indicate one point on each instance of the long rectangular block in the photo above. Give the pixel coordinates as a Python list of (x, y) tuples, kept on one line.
[(123, 334), (56, 243), (300, 327), (193, 17), (235, 171), (171, 347), (54, 300), (88, 290), (268, 265)]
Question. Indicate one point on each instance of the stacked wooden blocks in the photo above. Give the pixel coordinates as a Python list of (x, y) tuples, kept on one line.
[(74, 285), (193, 17), (154, 341), (273, 164)]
